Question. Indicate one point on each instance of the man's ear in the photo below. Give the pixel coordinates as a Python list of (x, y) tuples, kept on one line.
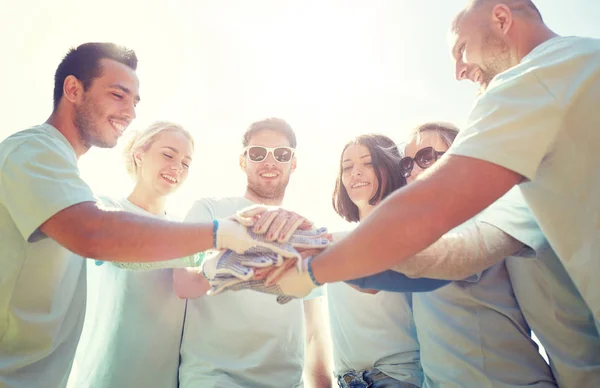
[(502, 19), (293, 167), (72, 89), (243, 162)]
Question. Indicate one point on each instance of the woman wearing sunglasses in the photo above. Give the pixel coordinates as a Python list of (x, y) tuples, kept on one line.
[(133, 327), (481, 325)]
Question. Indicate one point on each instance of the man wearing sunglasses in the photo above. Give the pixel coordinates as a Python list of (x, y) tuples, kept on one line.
[(246, 339)]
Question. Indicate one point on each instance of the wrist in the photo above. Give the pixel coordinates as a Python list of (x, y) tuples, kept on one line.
[(215, 230), (310, 272)]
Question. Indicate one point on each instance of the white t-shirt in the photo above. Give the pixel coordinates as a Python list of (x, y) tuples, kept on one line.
[(42, 284), (548, 299), (373, 331), (240, 339), (133, 326), (541, 119)]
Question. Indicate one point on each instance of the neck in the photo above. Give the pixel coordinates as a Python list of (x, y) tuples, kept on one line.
[(254, 197), (364, 211), (535, 37), (152, 203), (63, 120)]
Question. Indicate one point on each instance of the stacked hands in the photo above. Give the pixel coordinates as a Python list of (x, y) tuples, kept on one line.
[(263, 249)]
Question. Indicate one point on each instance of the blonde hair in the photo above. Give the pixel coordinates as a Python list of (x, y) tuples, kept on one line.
[(142, 140), (447, 131)]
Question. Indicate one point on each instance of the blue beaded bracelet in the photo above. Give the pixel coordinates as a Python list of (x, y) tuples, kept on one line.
[(310, 272), (215, 228)]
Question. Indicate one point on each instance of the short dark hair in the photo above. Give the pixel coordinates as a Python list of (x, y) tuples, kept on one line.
[(273, 124), (83, 63), (385, 157)]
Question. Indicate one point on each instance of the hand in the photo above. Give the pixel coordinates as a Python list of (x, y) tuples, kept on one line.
[(274, 274), (276, 223), (294, 283), (236, 237), (226, 263)]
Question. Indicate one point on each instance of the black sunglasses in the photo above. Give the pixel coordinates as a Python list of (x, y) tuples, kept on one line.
[(424, 158)]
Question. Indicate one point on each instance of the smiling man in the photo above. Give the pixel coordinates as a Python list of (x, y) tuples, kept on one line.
[(47, 213), (253, 340), (535, 125)]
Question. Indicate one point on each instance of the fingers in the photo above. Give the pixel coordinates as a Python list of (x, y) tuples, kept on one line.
[(262, 273), (276, 225), (286, 231), (252, 211), (306, 225), (264, 222), (280, 224), (276, 274)]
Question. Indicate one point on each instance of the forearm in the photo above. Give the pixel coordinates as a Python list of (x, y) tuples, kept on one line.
[(122, 236), (397, 282), (184, 262), (460, 253), (414, 217), (383, 237)]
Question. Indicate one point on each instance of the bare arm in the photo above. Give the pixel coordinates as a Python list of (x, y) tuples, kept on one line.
[(189, 283), (414, 217), (318, 368), (461, 253), (91, 232)]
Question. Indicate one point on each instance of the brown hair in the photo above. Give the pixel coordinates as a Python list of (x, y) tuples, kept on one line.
[(273, 124), (385, 157)]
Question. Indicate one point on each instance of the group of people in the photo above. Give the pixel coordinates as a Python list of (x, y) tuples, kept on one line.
[(467, 240)]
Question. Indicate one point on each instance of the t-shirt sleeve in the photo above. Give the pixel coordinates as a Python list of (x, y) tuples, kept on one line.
[(514, 124), (201, 211), (39, 178), (397, 282), (511, 214)]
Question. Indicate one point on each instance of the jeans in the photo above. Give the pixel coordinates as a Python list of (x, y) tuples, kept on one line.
[(372, 378)]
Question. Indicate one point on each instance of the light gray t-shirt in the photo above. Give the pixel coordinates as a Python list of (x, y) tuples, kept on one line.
[(133, 325), (42, 284), (541, 119), (240, 339), (373, 331)]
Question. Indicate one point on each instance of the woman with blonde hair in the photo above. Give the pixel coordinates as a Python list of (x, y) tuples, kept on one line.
[(133, 327)]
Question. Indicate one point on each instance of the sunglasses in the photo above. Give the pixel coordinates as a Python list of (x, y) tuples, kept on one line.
[(260, 153), (424, 158)]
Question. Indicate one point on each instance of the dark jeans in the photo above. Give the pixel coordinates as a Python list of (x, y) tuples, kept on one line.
[(372, 378)]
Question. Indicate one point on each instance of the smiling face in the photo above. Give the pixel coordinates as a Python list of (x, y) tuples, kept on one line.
[(478, 53), (267, 179), (424, 139), (163, 166), (358, 175), (107, 107)]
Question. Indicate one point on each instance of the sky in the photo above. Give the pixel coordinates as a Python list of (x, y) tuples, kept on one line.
[(333, 69)]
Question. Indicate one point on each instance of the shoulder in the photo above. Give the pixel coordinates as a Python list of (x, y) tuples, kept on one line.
[(112, 203), (42, 141), (222, 206)]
